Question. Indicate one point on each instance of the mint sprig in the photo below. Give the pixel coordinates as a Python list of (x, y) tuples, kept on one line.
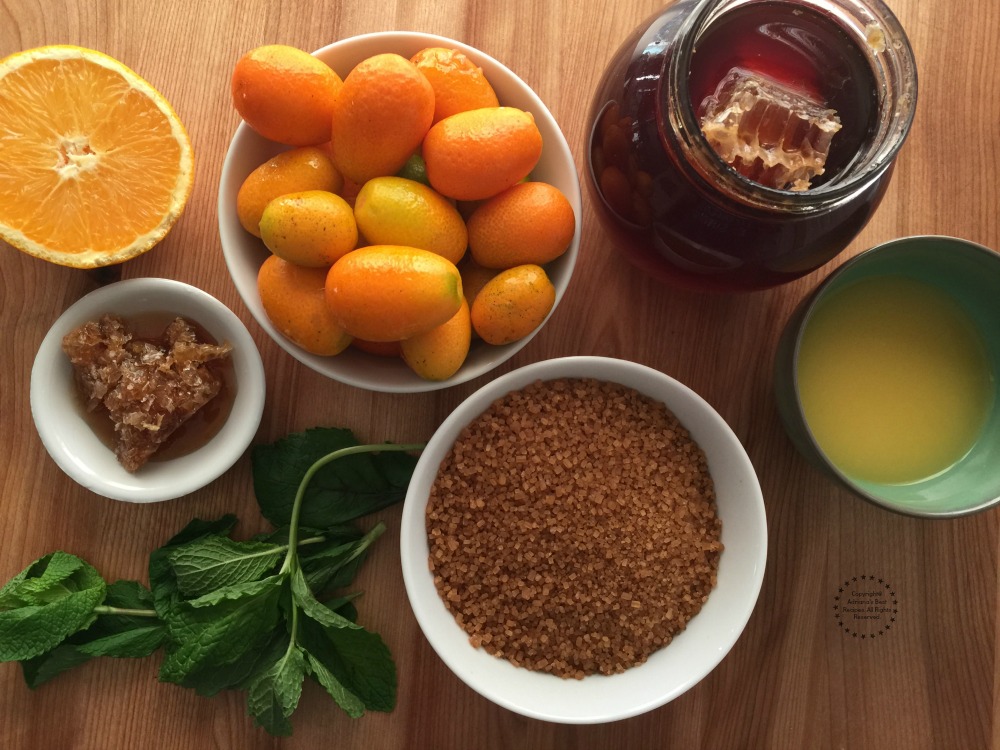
[(258, 615)]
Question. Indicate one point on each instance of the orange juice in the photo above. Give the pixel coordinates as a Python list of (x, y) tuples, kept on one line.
[(893, 379)]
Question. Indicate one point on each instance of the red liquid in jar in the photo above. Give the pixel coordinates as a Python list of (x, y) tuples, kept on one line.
[(679, 228)]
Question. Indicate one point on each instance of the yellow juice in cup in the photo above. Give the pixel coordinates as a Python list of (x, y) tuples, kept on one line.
[(893, 379)]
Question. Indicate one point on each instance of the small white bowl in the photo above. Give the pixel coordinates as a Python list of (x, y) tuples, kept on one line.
[(82, 454), (244, 253), (670, 671)]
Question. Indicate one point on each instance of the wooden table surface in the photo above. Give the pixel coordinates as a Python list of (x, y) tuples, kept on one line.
[(797, 678)]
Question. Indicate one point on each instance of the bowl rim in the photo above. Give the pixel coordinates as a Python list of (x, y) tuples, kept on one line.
[(811, 302), (400, 378), (602, 702), (52, 395)]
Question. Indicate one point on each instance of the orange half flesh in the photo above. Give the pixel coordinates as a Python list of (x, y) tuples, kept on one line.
[(95, 165)]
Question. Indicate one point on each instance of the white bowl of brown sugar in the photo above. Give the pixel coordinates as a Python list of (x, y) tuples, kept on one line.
[(583, 540), (146, 390)]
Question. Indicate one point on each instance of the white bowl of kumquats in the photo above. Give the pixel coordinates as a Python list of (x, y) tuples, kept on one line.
[(464, 190)]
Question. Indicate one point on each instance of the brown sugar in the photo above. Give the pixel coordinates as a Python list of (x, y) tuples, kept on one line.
[(148, 388), (573, 528)]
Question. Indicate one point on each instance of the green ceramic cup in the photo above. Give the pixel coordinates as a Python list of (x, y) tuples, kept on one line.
[(970, 274)]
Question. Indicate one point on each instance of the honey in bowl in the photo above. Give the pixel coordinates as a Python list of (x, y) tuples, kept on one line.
[(894, 380), (151, 387)]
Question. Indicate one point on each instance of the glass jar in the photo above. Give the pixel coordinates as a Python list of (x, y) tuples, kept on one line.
[(675, 207)]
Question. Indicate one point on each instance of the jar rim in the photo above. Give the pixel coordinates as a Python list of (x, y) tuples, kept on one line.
[(893, 66)]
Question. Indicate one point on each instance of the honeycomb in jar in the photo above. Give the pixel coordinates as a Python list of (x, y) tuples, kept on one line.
[(771, 133), (148, 388)]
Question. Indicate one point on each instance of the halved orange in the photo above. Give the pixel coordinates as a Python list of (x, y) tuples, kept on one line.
[(95, 165)]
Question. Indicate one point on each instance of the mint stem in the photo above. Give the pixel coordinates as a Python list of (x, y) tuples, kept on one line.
[(105, 610), (366, 541), (294, 629), (293, 524)]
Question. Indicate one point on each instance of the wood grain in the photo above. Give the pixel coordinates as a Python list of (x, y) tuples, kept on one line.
[(795, 679)]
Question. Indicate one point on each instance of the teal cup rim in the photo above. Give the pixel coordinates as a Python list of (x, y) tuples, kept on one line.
[(925, 498)]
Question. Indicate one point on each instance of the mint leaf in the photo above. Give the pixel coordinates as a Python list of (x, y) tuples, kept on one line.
[(357, 658), (42, 668), (132, 643), (352, 705), (220, 629), (278, 469), (51, 599), (239, 673), (332, 568), (162, 581), (41, 582), (324, 578), (215, 561), (304, 598), (234, 592), (274, 694), (9, 598), (321, 568), (30, 631), (344, 606), (345, 489), (325, 564)]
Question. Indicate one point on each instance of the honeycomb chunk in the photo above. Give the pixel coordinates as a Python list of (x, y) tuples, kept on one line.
[(773, 134), (147, 388)]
